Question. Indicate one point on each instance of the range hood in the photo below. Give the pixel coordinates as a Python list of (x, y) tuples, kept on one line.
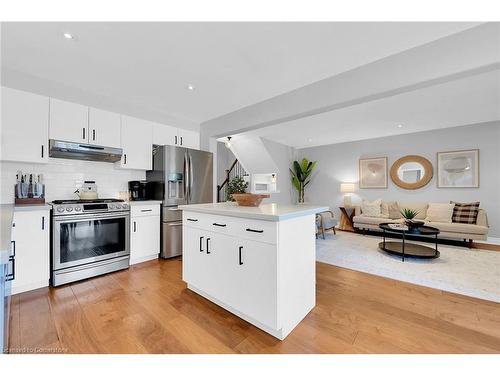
[(83, 151)]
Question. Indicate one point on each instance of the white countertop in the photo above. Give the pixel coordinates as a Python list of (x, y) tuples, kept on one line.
[(143, 203), (32, 207), (269, 212)]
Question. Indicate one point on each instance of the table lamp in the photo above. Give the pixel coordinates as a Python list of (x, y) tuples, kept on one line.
[(347, 188)]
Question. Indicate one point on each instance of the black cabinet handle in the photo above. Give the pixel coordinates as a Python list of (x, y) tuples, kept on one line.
[(148, 210), (201, 243), (192, 219), (125, 157), (93, 134), (43, 222), (175, 140), (239, 255), (12, 259), (208, 252), (83, 133), (255, 230), (135, 226), (42, 151), (181, 141), (219, 225)]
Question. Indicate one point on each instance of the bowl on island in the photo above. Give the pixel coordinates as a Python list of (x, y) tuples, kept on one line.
[(249, 200)]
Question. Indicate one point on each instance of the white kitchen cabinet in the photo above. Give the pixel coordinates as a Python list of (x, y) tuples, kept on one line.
[(164, 135), (262, 270), (30, 234), (25, 126), (144, 232), (68, 121), (188, 138), (169, 135), (104, 128), (137, 143)]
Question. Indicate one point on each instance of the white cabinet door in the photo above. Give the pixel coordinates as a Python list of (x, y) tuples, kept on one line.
[(189, 139), (144, 238), (254, 290), (164, 135), (25, 126), (68, 121), (104, 128), (31, 236), (194, 270), (137, 143)]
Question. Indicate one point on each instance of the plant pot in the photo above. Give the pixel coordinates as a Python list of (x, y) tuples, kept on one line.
[(414, 224)]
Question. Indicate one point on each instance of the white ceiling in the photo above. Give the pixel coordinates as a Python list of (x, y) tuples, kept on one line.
[(232, 65), (461, 102)]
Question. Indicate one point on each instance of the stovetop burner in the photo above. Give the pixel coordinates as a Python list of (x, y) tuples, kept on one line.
[(81, 201)]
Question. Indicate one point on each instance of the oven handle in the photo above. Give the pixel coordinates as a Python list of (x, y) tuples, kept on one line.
[(101, 216)]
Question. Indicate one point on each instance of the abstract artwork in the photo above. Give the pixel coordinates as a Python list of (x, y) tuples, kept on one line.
[(458, 169), (373, 173)]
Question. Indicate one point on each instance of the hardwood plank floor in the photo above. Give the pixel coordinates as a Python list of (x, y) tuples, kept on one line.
[(147, 309)]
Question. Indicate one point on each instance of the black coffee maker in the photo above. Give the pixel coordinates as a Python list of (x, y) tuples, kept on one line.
[(138, 190)]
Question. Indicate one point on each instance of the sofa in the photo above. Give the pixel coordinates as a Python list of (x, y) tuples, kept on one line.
[(466, 232)]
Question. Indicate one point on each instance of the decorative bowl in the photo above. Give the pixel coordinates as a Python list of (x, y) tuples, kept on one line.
[(414, 224), (249, 200)]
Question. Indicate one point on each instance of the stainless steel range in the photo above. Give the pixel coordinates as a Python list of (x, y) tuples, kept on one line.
[(89, 238)]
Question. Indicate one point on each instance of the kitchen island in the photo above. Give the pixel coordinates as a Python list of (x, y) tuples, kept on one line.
[(256, 262)]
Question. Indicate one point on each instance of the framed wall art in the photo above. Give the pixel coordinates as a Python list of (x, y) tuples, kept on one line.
[(373, 173), (458, 169)]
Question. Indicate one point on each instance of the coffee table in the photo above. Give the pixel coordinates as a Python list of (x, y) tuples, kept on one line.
[(406, 249)]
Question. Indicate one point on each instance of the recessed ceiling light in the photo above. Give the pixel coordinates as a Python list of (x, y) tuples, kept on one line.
[(190, 87), (68, 36), (400, 126), (309, 140)]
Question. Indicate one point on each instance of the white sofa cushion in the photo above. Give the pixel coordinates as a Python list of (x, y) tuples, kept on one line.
[(440, 212), (390, 209), (371, 209), (420, 207)]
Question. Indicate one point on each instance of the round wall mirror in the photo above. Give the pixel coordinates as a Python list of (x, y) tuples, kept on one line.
[(411, 172)]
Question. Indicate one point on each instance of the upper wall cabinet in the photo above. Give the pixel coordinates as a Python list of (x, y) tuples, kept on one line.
[(104, 128), (137, 143), (25, 126), (69, 121), (168, 135)]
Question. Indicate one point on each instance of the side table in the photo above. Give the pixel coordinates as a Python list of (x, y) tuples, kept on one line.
[(346, 223)]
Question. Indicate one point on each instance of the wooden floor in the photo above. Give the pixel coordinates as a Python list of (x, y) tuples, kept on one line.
[(147, 309)]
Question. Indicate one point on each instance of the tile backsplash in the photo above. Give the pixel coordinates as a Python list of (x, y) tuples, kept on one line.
[(63, 176)]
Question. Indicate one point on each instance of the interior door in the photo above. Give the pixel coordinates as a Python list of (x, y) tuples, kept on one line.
[(200, 177)]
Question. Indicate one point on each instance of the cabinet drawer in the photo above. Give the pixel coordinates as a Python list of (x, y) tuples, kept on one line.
[(145, 210), (212, 223), (256, 230)]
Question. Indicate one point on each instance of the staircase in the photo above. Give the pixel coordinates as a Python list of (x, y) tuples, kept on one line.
[(236, 170)]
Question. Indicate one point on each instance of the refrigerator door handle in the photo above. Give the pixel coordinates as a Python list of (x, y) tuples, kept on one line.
[(186, 178), (190, 175)]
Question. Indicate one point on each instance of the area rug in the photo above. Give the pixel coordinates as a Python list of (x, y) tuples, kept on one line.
[(471, 272)]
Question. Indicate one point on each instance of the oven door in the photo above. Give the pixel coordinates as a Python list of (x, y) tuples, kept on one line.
[(82, 239)]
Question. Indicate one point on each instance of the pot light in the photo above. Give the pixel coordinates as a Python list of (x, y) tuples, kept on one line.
[(400, 126), (190, 87), (68, 36), (309, 140)]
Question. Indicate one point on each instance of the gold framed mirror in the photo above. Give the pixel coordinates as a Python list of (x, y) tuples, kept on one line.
[(411, 172)]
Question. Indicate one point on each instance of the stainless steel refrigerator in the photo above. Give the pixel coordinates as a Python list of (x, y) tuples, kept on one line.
[(179, 176)]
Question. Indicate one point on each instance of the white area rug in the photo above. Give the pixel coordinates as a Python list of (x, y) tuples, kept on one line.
[(471, 272)]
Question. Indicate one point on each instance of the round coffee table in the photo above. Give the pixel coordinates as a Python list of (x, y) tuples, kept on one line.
[(406, 249)]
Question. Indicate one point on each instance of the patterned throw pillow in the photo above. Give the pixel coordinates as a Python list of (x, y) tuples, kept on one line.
[(465, 213)]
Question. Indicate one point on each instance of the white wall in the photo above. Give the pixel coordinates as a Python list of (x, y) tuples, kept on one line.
[(339, 163), (62, 176)]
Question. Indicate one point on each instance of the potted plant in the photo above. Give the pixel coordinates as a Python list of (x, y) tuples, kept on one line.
[(235, 186), (409, 215), (301, 174)]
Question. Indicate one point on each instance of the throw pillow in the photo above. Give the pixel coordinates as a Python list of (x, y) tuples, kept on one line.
[(390, 210), (465, 213), (440, 212), (371, 209)]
